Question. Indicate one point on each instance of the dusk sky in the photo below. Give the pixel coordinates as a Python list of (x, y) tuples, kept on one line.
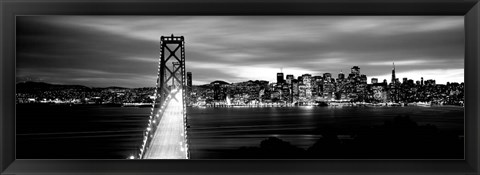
[(102, 51)]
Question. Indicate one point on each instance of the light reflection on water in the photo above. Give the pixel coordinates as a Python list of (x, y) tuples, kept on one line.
[(217, 129), (114, 132)]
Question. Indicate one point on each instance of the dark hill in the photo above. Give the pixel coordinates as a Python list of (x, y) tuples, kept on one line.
[(41, 86)]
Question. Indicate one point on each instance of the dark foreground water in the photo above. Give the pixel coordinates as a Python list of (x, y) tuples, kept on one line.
[(102, 132)]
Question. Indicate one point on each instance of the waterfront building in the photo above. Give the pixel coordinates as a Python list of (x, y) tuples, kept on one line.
[(307, 81), (302, 92), (328, 86), (317, 84), (219, 90), (379, 92)]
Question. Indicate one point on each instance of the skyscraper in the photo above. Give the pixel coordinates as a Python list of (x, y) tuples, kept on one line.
[(341, 76), (327, 77), (328, 86), (300, 79), (393, 74), (356, 70), (289, 79), (363, 79), (307, 81), (280, 78), (295, 87)]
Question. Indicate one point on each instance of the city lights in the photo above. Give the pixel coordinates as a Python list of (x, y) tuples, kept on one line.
[(312, 90)]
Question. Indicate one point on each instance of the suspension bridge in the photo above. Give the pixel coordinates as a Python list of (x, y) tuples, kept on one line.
[(165, 136)]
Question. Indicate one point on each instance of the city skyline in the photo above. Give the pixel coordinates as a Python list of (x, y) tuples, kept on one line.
[(122, 51)]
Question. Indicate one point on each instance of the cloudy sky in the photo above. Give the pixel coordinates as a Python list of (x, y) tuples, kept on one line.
[(103, 51)]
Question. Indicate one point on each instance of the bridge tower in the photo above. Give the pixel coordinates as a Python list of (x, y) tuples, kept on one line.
[(166, 134)]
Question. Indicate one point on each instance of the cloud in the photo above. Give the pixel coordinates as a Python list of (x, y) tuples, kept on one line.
[(405, 62), (234, 48), (442, 76)]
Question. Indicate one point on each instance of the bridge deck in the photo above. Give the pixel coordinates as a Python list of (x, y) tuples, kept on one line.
[(169, 141)]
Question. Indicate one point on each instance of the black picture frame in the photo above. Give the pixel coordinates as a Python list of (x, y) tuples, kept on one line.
[(470, 9)]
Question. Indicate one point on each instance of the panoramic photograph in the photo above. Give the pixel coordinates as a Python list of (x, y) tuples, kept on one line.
[(240, 87)]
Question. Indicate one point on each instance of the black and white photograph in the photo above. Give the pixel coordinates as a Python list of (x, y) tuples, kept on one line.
[(240, 87)]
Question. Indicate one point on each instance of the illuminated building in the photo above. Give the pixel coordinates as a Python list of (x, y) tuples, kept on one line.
[(307, 81), (302, 92), (317, 84), (295, 87), (328, 85)]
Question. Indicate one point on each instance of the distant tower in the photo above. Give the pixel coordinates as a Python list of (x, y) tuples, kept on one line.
[(393, 74), (280, 78)]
